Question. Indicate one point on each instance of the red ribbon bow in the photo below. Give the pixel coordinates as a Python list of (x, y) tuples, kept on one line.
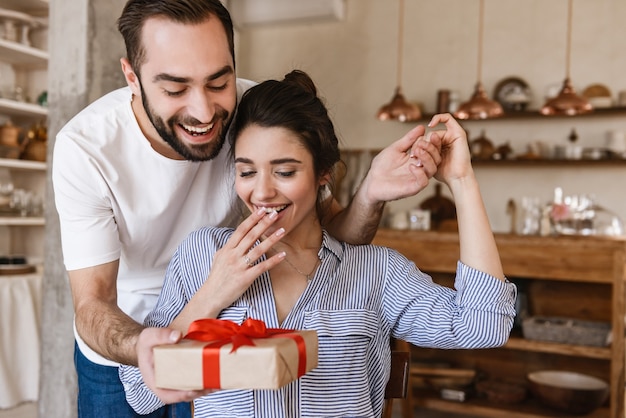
[(222, 331), (219, 332)]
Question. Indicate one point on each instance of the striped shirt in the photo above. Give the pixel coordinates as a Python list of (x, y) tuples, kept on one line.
[(359, 298)]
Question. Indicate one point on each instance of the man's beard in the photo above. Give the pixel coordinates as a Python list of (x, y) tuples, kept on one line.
[(196, 152)]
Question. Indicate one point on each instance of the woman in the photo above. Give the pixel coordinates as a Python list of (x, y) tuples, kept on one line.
[(355, 297)]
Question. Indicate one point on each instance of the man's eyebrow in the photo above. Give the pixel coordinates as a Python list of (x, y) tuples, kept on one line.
[(169, 77), (175, 79), (227, 69)]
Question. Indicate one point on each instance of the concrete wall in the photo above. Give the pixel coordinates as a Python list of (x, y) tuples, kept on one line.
[(84, 64)]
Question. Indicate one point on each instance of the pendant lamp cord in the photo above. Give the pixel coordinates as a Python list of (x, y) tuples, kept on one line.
[(481, 12), (400, 39), (569, 38)]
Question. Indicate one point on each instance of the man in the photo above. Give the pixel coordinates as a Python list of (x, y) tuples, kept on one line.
[(143, 166)]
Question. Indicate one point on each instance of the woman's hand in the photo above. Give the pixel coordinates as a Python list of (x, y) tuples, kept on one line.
[(455, 153), (235, 266), (402, 169)]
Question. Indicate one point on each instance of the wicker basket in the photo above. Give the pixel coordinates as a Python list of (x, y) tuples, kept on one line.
[(501, 391), (567, 331)]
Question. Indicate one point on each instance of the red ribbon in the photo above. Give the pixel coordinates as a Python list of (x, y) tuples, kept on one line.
[(219, 332)]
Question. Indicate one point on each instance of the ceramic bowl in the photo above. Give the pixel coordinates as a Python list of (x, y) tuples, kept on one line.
[(571, 392)]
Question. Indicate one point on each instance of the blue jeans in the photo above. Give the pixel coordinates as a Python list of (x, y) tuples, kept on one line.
[(101, 394)]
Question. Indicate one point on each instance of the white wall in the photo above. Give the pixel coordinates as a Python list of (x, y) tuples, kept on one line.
[(353, 62)]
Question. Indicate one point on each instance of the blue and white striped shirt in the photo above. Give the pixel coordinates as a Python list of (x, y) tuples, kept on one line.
[(359, 297)]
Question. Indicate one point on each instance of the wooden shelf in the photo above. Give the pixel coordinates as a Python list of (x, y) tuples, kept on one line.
[(23, 56), (483, 408), (28, 6), (560, 258), (22, 164), (517, 343), (534, 114), (521, 162), (549, 163), (15, 108), (21, 276), (21, 221)]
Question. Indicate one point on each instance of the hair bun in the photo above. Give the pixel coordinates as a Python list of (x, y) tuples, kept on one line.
[(301, 79)]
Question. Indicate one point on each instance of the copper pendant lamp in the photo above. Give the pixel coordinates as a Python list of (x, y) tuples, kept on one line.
[(479, 106), (399, 108), (567, 102)]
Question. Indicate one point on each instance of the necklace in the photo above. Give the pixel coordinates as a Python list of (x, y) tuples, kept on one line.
[(308, 276)]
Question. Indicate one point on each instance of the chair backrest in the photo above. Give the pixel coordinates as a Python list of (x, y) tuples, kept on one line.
[(397, 386), (399, 378)]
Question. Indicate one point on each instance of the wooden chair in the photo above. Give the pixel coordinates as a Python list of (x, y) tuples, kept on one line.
[(398, 385)]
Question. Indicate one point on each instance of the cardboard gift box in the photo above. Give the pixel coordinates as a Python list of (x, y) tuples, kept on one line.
[(265, 358)]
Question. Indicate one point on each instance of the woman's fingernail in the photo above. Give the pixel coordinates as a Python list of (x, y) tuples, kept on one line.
[(175, 336), (260, 211), (273, 214), (280, 232), (419, 163)]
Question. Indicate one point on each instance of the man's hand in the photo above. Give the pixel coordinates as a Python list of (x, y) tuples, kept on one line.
[(403, 168), (148, 339)]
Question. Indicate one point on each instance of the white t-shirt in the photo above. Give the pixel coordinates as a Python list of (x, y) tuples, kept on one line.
[(117, 198)]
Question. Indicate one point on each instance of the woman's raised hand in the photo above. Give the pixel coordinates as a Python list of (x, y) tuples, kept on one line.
[(455, 153)]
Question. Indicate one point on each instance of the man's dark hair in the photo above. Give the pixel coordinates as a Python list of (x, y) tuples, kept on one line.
[(136, 12)]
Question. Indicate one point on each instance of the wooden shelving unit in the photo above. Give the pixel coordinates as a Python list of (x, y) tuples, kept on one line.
[(522, 162), (534, 114), (28, 59), (563, 262), (24, 234)]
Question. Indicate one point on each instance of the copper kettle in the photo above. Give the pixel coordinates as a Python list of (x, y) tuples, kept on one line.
[(36, 148)]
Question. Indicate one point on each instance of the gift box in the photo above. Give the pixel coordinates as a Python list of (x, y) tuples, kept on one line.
[(219, 354)]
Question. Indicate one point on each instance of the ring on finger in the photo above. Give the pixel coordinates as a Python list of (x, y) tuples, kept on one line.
[(418, 161), (247, 260)]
